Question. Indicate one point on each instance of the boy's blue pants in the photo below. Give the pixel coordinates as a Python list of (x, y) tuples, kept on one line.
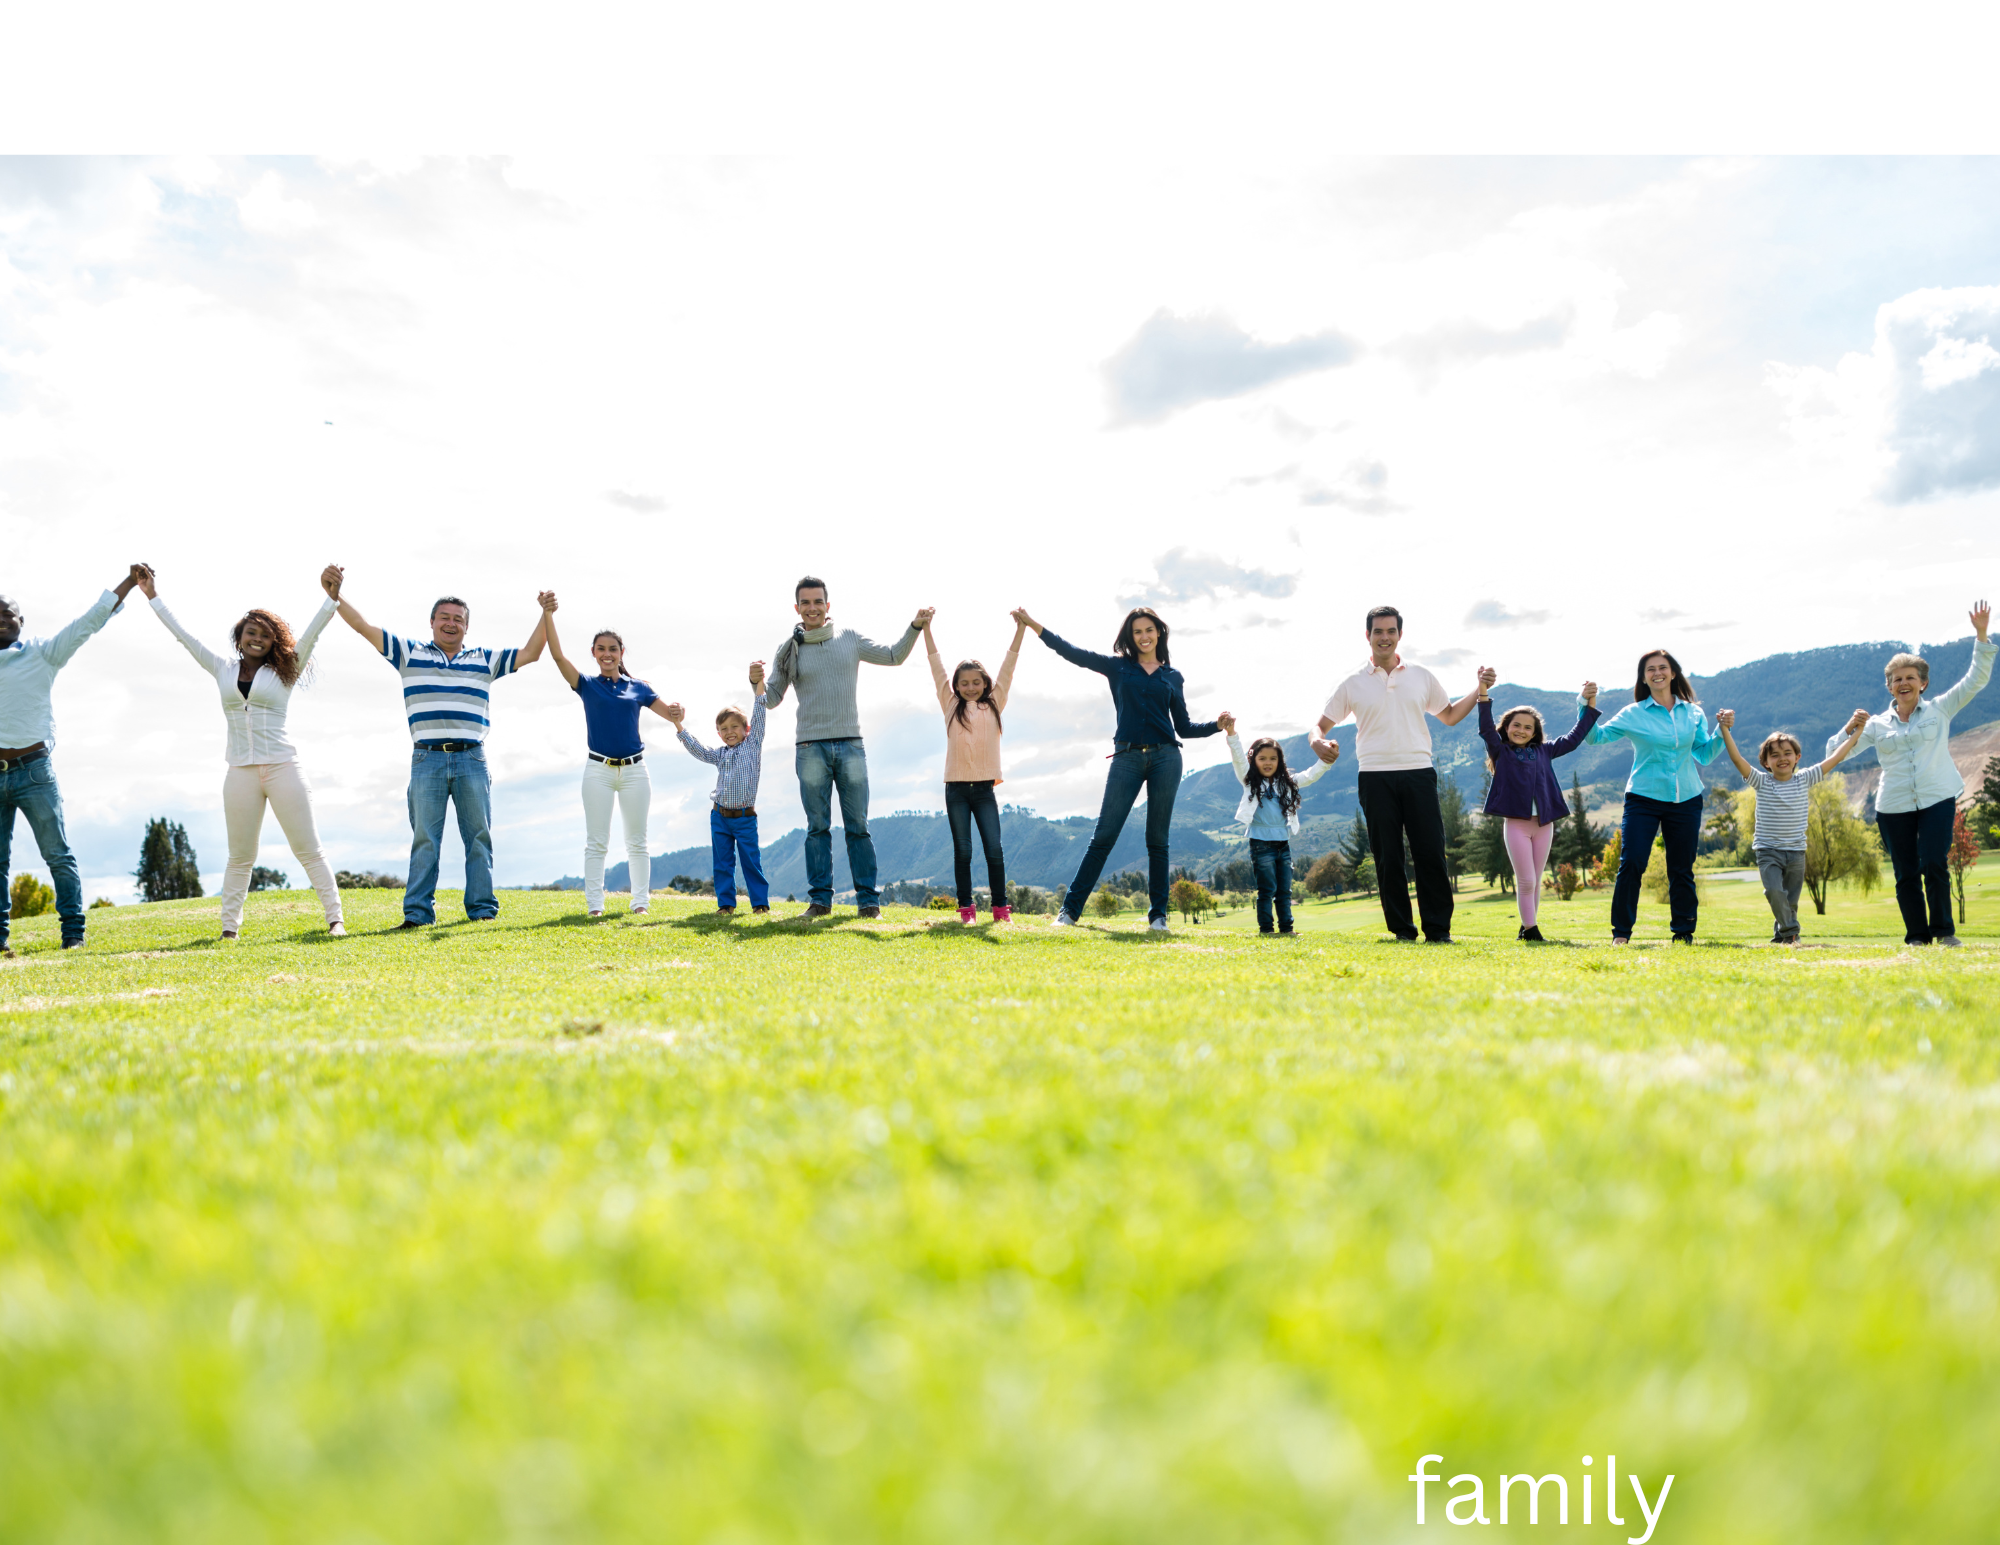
[(732, 837)]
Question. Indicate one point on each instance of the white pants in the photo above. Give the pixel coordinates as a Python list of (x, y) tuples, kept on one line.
[(244, 793), (633, 790)]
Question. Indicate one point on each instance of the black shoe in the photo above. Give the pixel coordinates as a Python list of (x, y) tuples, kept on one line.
[(1443, 938), (1286, 933), (1271, 930), (406, 923), (1683, 938), (1408, 938), (870, 913), (816, 910), (1532, 935)]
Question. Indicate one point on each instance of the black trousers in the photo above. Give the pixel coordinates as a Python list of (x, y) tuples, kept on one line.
[(1919, 842), (965, 803), (1405, 804)]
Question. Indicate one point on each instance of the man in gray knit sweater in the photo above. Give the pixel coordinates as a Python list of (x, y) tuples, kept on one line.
[(823, 663)]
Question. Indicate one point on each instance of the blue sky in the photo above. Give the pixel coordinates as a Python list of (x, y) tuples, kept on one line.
[(1555, 408)]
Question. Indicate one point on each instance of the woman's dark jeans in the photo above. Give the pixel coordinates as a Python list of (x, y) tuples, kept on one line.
[(1157, 770), (1644, 819), (1273, 863), (1919, 842), (965, 803)]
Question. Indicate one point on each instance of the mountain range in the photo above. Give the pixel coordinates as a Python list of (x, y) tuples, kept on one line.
[(1809, 694)]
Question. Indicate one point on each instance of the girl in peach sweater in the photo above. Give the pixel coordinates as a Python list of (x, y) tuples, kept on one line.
[(972, 700)]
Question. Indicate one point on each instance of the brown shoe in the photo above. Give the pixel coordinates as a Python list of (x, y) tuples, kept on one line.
[(870, 912), (816, 910), (759, 911)]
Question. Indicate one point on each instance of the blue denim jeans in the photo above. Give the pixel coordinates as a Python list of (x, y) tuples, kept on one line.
[(32, 791), (1273, 863), (1157, 770), (824, 766), (729, 836), (1646, 818), (458, 778)]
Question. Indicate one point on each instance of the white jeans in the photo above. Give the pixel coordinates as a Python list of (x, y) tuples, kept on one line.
[(633, 790), (245, 791)]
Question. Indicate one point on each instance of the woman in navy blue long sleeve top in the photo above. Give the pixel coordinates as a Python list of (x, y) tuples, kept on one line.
[(1151, 699)]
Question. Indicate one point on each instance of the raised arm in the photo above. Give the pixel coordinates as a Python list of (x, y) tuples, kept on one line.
[(548, 602), (1238, 759), (674, 713), (57, 651), (309, 640), (1451, 713), (531, 651), (1004, 682), (781, 672), (205, 657), (1982, 663), (1488, 731), (1706, 741), (330, 581), (938, 678), (872, 653), (1319, 769), (1726, 722), (1852, 730), (1586, 717)]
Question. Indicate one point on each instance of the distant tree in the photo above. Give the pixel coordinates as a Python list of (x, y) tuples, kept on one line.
[(1719, 830), (1027, 900), (1840, 847), (167, 869), (1190, 897), (1565, 881), (1354, 846), (102, 901), (262, 879), (938, 901), (1128, 882), (1486, 856), (1364, 876), (690, 885), (1106, 903), (1235, 875), (1458, 829), (1963, 855), (1986, 806), (1328, 875), (28, 897), (367, 880)]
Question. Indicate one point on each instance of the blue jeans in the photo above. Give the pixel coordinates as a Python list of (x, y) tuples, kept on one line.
[(1919, 841), (1273, 863), (1157, 770), (459, 778), (823, 766), (1645, 818), (728, 836), (32, 791)]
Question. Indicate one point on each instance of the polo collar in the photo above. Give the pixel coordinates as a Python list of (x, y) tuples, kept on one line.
[(1370, 665)]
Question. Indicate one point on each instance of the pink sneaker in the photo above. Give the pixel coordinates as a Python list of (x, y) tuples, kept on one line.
[(1003, 914), (967, 916)]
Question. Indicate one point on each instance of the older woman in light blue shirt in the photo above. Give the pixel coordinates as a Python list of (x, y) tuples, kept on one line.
[(1670, 735), (1920, 783)]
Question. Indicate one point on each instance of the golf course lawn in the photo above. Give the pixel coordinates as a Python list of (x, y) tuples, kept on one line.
[(671, 1229)]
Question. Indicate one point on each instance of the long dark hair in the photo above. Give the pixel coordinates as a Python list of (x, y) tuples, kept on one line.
[(618, 638), (1123, 644), (958, 704), (1281, 780), (1508, 718), (283, 657), (1678, 687)]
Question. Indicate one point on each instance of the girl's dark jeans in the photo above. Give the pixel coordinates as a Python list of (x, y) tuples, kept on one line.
[(1273, 863), (1157, 770), (965, 803)]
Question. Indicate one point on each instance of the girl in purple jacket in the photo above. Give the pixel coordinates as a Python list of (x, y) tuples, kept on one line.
[(1526, 792)]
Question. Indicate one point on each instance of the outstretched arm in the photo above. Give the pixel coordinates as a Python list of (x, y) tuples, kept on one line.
[(205, 657), (1982, 663), (873, 653), (1852, 730), (330, 581), (66, 643), (531, 651), (1451, 713), (1726, 722), (548, 600)]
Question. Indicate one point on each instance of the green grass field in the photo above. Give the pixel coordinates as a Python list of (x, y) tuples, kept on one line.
[(671, 1230)]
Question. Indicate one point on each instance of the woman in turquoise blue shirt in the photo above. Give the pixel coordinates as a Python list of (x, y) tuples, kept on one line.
[(1670, 735)]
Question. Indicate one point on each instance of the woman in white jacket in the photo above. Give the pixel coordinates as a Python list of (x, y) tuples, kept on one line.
[(256, 682)]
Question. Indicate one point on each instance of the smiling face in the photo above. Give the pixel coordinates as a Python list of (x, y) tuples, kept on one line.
[(732, 730), (1267, 762), (1906, 685), (255, 641), (1145, 636), (609, 654), (1782, 759), (970, 685), (811, 606), (1519, 729), (448, 624), (10, 622), (1384, 634), (1659, 674)]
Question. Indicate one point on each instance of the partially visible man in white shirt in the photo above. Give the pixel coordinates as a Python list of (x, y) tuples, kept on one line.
[(27, 737), (1397, 780)]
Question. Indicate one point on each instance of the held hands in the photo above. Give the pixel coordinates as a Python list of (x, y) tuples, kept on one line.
[(546, 599), (923, 618), (330, 578), (1325, 750), (142, 576), (1020, 615), (1857, 721), (675, 713), (1487, 676), (1726, 720), (1981, 614), (756, 675), (1226, 722), (1590, 694)]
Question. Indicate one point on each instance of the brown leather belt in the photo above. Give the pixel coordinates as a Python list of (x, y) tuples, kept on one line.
[(729, 814), (39, 754)]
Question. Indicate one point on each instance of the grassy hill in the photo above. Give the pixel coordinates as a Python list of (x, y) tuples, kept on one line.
[(672, 1229)]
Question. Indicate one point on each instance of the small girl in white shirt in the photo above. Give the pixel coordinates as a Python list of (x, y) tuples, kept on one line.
[(1270, 812)]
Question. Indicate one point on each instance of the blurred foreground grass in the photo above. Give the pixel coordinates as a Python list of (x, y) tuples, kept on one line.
[(678, 1230)]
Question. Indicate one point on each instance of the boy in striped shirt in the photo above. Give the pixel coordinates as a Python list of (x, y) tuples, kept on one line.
[(445, 696), (1784, 801)]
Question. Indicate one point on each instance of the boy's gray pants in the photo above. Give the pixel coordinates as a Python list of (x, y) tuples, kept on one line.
[(1783, 871)]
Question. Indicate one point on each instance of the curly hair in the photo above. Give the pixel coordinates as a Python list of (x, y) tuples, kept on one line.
[(283, 657), (1280, 781)]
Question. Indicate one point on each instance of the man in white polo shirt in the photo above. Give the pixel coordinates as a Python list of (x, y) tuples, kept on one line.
[(1398, 784)]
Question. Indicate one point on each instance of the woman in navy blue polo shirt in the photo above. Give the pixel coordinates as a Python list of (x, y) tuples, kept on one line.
[(1151, 700), (616, 769)]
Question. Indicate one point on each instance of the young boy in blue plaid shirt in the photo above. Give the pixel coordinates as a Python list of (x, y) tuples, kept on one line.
[(732, 823)]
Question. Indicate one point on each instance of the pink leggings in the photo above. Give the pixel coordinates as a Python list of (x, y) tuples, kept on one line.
[(1528, 846)]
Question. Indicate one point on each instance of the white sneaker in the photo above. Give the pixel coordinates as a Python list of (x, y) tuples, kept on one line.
[(1157, 925), (1063, 920), (337, 930)]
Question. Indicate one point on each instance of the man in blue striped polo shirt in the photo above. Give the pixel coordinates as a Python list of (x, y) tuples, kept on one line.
[(445, 687)]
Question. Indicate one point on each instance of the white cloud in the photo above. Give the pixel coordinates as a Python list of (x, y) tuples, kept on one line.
[(1492, 614), (1174, 362)]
